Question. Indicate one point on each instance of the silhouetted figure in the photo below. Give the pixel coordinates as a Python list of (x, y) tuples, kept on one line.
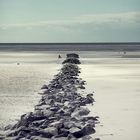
[(59, 56), (124, 52)]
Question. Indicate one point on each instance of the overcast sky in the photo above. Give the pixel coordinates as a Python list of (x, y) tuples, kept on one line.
[(69, 20)]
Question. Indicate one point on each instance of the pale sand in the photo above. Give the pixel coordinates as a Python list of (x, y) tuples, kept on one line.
[(19, 86), (116, 82)]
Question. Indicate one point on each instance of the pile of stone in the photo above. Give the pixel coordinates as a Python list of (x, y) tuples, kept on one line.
[(72, 58), (61, 114)]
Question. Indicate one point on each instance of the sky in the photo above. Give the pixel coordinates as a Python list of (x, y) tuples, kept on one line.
[(69, 21)]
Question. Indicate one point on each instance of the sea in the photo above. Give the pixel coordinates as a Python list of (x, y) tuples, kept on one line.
[(70, 46)]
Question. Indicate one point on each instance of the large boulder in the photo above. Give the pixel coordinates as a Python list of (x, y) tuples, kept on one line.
[(49, 132), (71, 60), (44, 87), (73, 55), (80, 112), (56, 124), (87, 130)]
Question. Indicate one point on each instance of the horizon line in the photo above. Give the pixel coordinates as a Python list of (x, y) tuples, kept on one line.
[(49, 43)]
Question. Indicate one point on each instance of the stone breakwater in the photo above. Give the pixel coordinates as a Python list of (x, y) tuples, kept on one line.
[(61, 114)]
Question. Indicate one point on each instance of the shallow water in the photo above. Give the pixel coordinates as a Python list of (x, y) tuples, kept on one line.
[(114, 78)]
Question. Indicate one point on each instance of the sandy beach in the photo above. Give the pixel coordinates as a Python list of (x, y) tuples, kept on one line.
[(115, 81), (117, 93)]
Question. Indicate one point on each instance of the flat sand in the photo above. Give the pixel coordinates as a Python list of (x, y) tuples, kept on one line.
[(116, 83)]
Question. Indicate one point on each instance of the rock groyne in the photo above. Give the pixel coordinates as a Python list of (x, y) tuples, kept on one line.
[(61, 113)]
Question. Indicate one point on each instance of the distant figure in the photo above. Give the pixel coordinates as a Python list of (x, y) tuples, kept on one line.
[(124, 52), (18, 63), (59, 56)]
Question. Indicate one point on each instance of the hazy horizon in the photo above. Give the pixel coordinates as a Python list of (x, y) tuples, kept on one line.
[(70, 47)]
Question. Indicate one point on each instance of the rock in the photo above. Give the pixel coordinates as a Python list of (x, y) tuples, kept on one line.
[(53, 118), (58, 104), (38, 123), (87, 130), (50, 131), (66, 103), (61, 111), (47, 113), (58, 86), (23, 121), (45, 124), (14, 132), (2, 137), (8, 127), (42, 107), (89, 99), (86, 118), (82, 82), (38, 138), (80, 111), (79, 133), (63, 132), (55, 108), (71, 60), (79, 124), (71, 137), (57, 124), (44, 87), (73, 55), (61, 138), (26, 119), (21, 134), (81, 87), (11, 138), (86, 138), (24, 139), (69, 124), (74, 130), (90, 94), (50, 102)]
